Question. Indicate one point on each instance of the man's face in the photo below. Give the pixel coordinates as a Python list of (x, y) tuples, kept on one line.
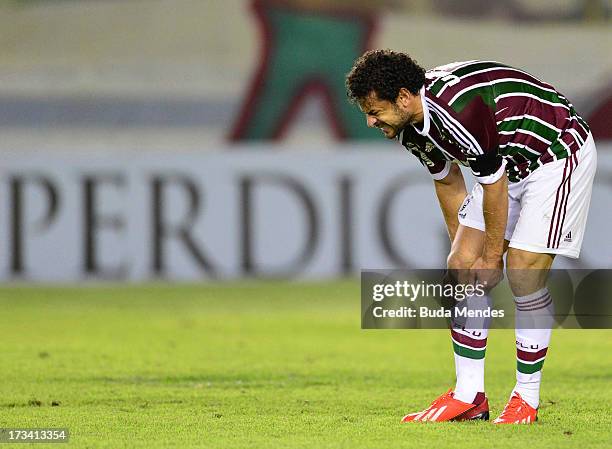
[(392, 117)]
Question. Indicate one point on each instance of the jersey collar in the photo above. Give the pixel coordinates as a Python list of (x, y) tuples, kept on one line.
[(426, 118)]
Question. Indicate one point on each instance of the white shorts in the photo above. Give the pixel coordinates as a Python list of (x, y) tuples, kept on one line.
[(547, 211)]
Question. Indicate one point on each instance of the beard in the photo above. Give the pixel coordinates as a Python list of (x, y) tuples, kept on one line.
[(391, 131)]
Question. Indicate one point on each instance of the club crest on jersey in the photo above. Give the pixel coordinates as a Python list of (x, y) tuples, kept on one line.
[(446, 136)]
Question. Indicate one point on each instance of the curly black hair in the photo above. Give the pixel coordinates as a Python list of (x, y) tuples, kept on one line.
[(384, 72)]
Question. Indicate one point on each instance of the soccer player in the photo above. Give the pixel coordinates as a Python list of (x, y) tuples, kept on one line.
[(534, 160)]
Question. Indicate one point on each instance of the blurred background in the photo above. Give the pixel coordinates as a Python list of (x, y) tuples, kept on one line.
[(189, 140)]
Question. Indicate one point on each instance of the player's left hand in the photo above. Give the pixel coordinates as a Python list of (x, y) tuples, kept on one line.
[(487, 272)]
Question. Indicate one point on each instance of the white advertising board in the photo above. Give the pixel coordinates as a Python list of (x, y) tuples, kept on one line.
[(75, 216)]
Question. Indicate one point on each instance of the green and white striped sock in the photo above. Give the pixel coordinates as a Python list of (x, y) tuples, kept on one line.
[(536, 309), (469, 345)]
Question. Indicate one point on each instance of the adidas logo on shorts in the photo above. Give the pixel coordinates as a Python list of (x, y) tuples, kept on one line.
[(568, 237)]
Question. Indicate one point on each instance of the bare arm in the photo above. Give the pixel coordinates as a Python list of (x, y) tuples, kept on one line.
[(451, 192), (495, 211), (488, 268)]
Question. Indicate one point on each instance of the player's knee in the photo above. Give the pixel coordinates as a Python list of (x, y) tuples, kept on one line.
[(527, 272), (518, 259)]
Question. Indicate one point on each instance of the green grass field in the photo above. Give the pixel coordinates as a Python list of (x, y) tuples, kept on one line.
[(266, 365)]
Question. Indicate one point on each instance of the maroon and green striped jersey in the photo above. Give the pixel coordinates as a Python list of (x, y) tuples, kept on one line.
[(492, 117)]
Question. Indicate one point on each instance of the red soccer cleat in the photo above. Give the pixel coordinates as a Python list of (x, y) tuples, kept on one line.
[(447, 408), (517, 411)]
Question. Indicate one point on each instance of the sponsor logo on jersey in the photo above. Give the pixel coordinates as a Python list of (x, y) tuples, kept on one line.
[(425, 159)]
